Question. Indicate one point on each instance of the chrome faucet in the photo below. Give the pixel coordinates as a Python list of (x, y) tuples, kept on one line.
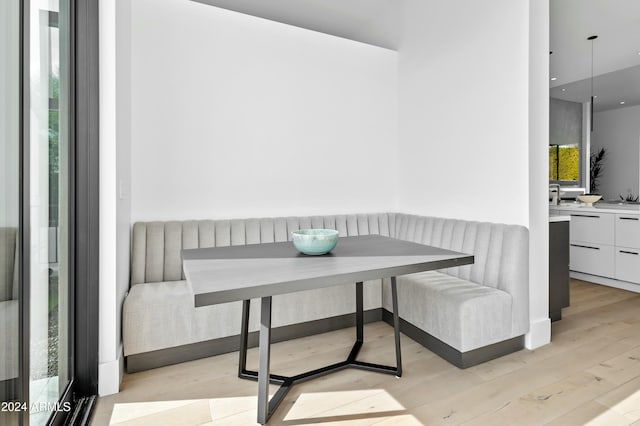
[(555, 185)]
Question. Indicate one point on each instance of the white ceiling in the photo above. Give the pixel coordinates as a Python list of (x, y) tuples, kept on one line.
[(610, 89), (375, 22), (616, 56)]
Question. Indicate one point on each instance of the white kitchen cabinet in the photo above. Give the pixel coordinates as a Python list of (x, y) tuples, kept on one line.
[(628, 248), (605, 245), (627, 261), (627, 230), (592, 227), (590, 258), (592, 240)]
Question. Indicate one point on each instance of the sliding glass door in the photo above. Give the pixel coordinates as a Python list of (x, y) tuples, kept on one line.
[(49, 206), (48, 211), (36, 296)]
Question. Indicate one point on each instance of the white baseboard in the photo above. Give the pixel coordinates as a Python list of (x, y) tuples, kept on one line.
[(539, 334), (110, 375), (624, 285)]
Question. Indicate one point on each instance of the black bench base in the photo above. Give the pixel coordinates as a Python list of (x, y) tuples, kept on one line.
[(193, 351)]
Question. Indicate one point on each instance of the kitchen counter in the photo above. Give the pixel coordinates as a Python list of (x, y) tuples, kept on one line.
[(559, 218), (581, 207), (604, 243)]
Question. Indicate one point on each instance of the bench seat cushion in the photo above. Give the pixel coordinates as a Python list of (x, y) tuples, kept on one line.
[(463, 314), (9, 340), (162, 314)]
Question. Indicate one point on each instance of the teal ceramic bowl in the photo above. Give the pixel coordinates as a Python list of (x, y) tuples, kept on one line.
[(315, 241)]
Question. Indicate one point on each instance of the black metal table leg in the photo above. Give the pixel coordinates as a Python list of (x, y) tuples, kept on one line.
[(244, 336), (396, 325), (267, 407), (263, 366), (359, 313)]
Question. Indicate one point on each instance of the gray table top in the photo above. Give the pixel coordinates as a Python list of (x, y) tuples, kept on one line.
[(226, 274)]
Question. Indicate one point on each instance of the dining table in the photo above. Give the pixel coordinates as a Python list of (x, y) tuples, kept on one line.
[(262, 271)]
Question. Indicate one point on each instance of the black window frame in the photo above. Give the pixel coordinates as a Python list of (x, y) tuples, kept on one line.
[(83, 213)]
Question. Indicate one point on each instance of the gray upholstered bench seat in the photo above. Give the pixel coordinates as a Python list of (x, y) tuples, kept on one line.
[(467, 314), (456, 311), (9, 340), (9, 313), (162, 315)]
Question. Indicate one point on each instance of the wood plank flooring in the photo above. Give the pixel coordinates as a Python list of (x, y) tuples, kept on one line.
[(589, 374)]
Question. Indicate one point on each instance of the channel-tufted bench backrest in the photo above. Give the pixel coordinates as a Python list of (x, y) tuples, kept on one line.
[(497, 248), (156, 246), (501, 253)]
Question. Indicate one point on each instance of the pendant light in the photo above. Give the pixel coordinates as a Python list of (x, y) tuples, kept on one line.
[(591, 39)]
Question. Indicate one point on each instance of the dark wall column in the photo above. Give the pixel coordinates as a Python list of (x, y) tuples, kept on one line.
[(86, 196)]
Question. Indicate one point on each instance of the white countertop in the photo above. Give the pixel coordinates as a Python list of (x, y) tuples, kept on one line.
[(559, 218), (583, 208)]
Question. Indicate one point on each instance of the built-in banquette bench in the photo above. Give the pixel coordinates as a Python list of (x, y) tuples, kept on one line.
[(467, 314), (8, 313)]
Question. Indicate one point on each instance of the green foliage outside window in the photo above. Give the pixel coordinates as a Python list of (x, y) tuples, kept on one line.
[(564, 163), (54, 149)]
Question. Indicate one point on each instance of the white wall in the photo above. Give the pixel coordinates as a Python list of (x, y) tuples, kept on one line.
[(463, 105), (473, 85), (123, 162), (237, 116), (108, 369), (540, 325), (618, 130), (115, 181), (473, 120)]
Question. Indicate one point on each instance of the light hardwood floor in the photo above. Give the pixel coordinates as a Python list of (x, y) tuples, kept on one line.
[(589, 374)]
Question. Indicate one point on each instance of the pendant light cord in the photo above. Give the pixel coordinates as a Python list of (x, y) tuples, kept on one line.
[(592, 69), (591, 39)]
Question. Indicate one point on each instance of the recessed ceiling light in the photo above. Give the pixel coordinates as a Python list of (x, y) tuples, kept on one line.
[(554, 78), (564, 90), (622, 103), (595, 96)]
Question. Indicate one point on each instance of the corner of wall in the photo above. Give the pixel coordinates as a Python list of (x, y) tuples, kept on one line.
[(110, 375), (539, 334), (540, 325)]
